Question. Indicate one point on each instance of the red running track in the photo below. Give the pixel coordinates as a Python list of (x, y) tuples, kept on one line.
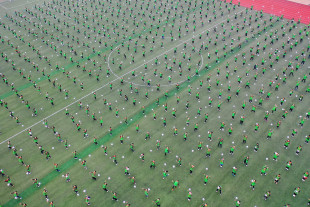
[(289, 10)]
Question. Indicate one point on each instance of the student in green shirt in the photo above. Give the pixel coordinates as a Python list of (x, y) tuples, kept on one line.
[(253, 183), (175, 184)]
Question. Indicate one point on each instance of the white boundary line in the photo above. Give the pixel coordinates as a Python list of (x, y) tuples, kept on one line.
[(99, 89), (3, 7), (56, 112)]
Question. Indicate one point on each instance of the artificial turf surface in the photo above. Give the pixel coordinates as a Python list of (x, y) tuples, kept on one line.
[(198, 63)]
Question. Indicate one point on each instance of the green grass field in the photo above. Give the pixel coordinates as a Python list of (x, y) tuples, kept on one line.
[(145, 61)]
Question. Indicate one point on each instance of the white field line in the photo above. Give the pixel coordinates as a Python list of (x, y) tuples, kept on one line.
[(3, 7), (74, 102)]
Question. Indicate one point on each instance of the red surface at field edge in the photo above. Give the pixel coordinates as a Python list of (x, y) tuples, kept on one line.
[(289, 10)]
